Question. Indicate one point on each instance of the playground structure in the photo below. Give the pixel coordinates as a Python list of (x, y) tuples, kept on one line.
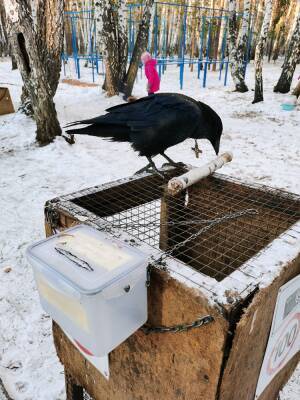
[(181, 35)]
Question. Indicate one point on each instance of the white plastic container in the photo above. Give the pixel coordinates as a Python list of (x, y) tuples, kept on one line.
[(92, 285)]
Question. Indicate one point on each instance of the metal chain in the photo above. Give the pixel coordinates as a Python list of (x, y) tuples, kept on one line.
[(158, 263), (207, 319), (250, 211), (52, 217), (177, 223)]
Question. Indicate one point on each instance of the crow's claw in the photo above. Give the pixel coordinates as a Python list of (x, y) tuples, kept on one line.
[(160, 174), (151, 167), (176, 165), (146, 168)]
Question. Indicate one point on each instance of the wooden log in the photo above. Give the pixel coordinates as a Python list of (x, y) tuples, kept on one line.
[(179, 183)]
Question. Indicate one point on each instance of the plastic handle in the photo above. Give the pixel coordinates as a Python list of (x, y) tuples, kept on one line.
[(122, 287)]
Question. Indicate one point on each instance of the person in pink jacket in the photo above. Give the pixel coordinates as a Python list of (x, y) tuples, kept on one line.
[(150, 72)]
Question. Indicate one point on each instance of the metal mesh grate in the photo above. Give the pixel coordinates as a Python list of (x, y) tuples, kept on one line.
[(86, 396), (140, 208)]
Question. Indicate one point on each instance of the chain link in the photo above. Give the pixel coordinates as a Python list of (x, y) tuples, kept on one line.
[(207, 319), (52, 218), (157, 263)]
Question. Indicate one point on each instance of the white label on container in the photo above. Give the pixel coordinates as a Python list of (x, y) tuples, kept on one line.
[(95, 252), (284, 339)]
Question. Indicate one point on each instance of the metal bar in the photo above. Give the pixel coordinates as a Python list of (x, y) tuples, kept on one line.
[(155, 32), (183, 43)]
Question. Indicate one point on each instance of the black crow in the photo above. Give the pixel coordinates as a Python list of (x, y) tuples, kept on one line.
[(154, 123)]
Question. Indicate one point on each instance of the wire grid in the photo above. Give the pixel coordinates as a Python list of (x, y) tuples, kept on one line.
[(86, 396), (140, 208)]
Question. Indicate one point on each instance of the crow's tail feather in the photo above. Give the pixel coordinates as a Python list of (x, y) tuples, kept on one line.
[(119, 133)]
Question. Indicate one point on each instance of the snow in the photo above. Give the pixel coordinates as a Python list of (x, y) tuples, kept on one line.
[(263, 138)]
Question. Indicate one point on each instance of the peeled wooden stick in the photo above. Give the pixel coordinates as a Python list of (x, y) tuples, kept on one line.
[(178, 183)]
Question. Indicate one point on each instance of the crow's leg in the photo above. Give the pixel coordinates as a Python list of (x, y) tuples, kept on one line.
[(146, 168), (153, 166), (150, 166), (171, 162)]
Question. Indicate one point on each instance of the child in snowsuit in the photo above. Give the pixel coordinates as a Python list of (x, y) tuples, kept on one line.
[(151, 73)]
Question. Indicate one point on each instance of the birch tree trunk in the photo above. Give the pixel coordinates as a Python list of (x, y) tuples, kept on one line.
[(244, 36), (291, 59), (296, 91), (104, 12), (237, 47), (111, 25), (37, 47), (259, 53), (122, 39), (140, 46), (4, 45)]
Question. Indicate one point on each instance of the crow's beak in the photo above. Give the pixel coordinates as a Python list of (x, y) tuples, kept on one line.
[(216, 146)]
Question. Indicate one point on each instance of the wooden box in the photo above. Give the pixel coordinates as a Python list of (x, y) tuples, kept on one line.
[(232, 271)]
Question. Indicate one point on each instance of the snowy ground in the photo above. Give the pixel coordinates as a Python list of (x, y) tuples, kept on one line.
[(263, 138)]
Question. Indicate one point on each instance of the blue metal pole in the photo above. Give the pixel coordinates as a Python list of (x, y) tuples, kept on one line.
[(226, 73), (155, 32), (96, 49), (183, 48), (164, 45), (224, 43), (74, 44), (201, 46), (78, 68)]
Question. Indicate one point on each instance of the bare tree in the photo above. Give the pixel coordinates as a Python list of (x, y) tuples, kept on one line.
[(4, 45), (259, 53), (140, 46), (238, 44), (111, 26), (37, 45), (291, 59), (112, 32)]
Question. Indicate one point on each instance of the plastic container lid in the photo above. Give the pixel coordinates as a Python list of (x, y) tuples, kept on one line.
[(86, 258)]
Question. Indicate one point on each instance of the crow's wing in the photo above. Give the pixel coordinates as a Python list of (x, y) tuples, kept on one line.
[(152, 124), (157, 102), (147, 111), (155, 111)]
